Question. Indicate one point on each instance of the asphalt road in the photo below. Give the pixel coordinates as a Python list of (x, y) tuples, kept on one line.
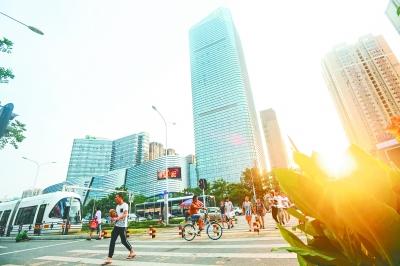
[(236, 247)]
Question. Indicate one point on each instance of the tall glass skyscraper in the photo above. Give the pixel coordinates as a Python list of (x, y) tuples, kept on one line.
[(227, 136), (391, 12), (275, 144), (130, 150)]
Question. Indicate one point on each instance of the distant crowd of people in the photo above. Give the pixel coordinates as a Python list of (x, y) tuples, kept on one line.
[(274, 202)]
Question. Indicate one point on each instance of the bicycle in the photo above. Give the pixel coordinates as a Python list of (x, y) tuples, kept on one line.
[(213, 229)]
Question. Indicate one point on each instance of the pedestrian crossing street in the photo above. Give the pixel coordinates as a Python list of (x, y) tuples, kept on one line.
[(237, 246), (178, 252)]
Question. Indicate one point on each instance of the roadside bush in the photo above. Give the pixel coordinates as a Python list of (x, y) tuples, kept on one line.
[(145, 224), (353, 220), (22, 236)]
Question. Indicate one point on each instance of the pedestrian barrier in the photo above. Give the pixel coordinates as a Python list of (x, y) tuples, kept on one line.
[(152, 231), (106, 233), (181, 229)]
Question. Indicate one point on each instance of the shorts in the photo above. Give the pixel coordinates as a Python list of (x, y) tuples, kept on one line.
[(248, 218), (195, 217)]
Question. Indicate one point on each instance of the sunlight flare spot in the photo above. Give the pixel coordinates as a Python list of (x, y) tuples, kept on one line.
[(337, 165)]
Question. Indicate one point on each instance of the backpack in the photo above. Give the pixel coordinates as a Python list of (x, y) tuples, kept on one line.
[(93, 224)]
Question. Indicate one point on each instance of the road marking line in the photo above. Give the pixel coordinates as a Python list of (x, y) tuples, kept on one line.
[(114, 262), (266, 255), (23, 250), (187, 246), (244, 239), (3, 247)]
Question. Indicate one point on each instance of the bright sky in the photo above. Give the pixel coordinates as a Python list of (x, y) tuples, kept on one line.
[(101, 65)]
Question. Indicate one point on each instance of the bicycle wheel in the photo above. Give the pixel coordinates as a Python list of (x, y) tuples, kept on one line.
[(189, 232), (214, 230)]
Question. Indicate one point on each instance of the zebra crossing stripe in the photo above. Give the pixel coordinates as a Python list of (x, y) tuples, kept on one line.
[(2, 247), (186, 246), (114, 262), (205, 238), (265, 255)]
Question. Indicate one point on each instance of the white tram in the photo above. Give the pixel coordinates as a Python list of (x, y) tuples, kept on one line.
[(52, 213)]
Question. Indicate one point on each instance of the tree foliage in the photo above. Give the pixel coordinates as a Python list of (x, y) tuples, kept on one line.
[(350, 220), (108, 203), (14, 132), (5, 47), (14, 135)]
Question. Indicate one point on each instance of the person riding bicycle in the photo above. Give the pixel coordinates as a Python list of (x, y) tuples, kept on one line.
[(194, 211)]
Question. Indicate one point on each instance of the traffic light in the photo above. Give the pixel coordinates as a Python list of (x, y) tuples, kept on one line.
[(203, 184), (6, 115)]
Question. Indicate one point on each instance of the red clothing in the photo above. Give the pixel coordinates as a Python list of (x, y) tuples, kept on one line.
[(195, 206)]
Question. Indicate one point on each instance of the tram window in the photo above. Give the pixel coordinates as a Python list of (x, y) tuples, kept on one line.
[(4, 218), (67, 207), (58, 209), (25, 215), (39, 217), (1, 213)]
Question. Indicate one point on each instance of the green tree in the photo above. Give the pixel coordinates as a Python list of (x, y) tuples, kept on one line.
[(220, 189), (6, 73), (13, 135), (14, 132), (237, 192), (254, 176), (194, 191)]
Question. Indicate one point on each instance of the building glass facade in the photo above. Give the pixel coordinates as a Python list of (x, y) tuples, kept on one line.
[(89, 157), (143, 179), (275, 145), (227, 136), (129, 151), (391, 13), (110, 181)]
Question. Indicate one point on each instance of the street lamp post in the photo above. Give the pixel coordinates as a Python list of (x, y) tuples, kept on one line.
[(166, 163), (38, 165), (35, 30), (252, 180)]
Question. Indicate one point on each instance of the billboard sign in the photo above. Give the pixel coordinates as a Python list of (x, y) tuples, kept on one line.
[(173, 173)]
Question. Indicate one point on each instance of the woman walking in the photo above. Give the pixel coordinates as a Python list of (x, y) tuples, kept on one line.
[(246, 206), (260, 211), (223, 216)]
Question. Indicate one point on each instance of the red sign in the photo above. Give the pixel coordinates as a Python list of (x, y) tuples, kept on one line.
[(173, 172)]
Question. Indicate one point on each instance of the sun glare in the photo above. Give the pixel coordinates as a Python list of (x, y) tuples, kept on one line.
[(337, 164)]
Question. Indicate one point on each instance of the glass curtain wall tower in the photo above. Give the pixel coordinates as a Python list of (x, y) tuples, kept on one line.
[(227, 136)]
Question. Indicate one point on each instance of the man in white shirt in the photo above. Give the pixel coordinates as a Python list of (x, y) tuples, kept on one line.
[(98, 219), (228, 212), (121, 224)]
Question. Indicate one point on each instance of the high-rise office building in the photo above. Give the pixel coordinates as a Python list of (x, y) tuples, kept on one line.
[(227, 137), (391, 13), (275, 145), (364, 83), (171, 151), (156, 150), (89, 157), (148, 178), (112, 180), (130, 150), (95, 162)]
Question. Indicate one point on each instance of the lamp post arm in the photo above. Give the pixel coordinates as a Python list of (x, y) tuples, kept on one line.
[(36, 30)]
